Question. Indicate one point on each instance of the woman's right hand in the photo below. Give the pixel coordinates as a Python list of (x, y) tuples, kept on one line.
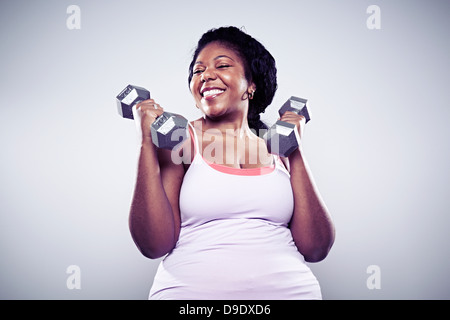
[(145, 113)]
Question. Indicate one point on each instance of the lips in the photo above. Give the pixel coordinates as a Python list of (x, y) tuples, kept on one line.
[(211, 93)]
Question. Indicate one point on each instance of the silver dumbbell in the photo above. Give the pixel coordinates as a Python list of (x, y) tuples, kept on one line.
[(168, 130), (282, 138)]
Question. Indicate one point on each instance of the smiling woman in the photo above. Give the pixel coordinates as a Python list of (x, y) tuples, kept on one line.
[(219, 84), (246, 53), (230, 227)]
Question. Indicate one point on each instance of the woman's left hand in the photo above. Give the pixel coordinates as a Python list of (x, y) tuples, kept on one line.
[(298, 120)]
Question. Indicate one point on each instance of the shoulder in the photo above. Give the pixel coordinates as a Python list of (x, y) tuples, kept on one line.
[(285, 162), (186, 151), (182, 155)]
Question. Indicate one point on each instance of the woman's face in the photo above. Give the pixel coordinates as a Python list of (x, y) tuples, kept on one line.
[(218, 84)]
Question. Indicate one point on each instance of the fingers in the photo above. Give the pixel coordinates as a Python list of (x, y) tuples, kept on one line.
[(146, 113), (293, 118), (149, 108), (149, 104), (296, 119)]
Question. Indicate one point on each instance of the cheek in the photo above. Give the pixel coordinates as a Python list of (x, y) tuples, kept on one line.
[(193, 87), (237, 82), (242, 86)]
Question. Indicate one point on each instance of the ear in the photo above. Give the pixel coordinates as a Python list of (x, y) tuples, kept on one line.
[(251, 87), (251, 91)]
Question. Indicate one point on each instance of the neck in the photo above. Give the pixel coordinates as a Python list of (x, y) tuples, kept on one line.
[(237, 127)]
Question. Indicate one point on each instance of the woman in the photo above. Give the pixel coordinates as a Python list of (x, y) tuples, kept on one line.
[(236, 222)]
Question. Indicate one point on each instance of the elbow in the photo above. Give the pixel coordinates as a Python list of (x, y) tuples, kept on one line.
[(152, 245), (154, 252), (316, 255), (152, 249), (318, 250)]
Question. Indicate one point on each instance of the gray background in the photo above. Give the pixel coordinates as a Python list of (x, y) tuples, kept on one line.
[(378, 142)]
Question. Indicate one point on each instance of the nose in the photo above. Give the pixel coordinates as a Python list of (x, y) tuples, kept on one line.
[(208, 74)]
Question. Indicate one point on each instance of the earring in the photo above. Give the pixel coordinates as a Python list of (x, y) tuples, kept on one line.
[(251, 94)]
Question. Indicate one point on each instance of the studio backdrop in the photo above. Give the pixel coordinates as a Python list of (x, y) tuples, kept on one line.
[(376, 76)]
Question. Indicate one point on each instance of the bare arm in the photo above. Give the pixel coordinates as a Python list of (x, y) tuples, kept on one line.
[(154, 218), (311, 225)]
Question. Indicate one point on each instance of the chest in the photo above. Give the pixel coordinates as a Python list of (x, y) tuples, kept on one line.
[(233, 151), (207, 194)]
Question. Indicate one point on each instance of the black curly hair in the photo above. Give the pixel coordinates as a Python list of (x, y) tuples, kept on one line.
[(259, 66)]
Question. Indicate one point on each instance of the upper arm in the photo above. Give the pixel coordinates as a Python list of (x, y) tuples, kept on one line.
[(173, 166), (172, 175)]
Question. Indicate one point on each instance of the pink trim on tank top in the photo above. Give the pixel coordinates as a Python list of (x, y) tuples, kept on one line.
[(240, 171), (231, 170)]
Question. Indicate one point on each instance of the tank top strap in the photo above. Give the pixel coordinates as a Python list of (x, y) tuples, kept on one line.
[(194, 138), (277, 161), (280, 164)]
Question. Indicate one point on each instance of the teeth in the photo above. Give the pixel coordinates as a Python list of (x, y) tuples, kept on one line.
[(212, 92)]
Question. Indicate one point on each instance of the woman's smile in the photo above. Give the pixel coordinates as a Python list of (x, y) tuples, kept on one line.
[(211, 93)]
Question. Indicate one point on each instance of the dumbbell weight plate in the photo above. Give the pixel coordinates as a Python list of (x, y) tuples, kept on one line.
[(297, 105), (130, 96), (282, 138), (168, 130)]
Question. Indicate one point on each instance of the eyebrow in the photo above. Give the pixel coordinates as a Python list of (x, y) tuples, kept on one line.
[(216, 58)]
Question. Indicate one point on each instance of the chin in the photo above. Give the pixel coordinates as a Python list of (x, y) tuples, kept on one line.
[(214, 112)]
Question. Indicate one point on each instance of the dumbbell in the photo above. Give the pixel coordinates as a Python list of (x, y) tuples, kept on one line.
[(167, 131), (282, 138)]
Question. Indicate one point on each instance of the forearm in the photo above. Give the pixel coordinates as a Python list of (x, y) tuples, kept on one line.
[(151, 219), (311, 225)]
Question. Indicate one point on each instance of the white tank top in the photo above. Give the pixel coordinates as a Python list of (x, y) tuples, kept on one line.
[(234, 241)]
